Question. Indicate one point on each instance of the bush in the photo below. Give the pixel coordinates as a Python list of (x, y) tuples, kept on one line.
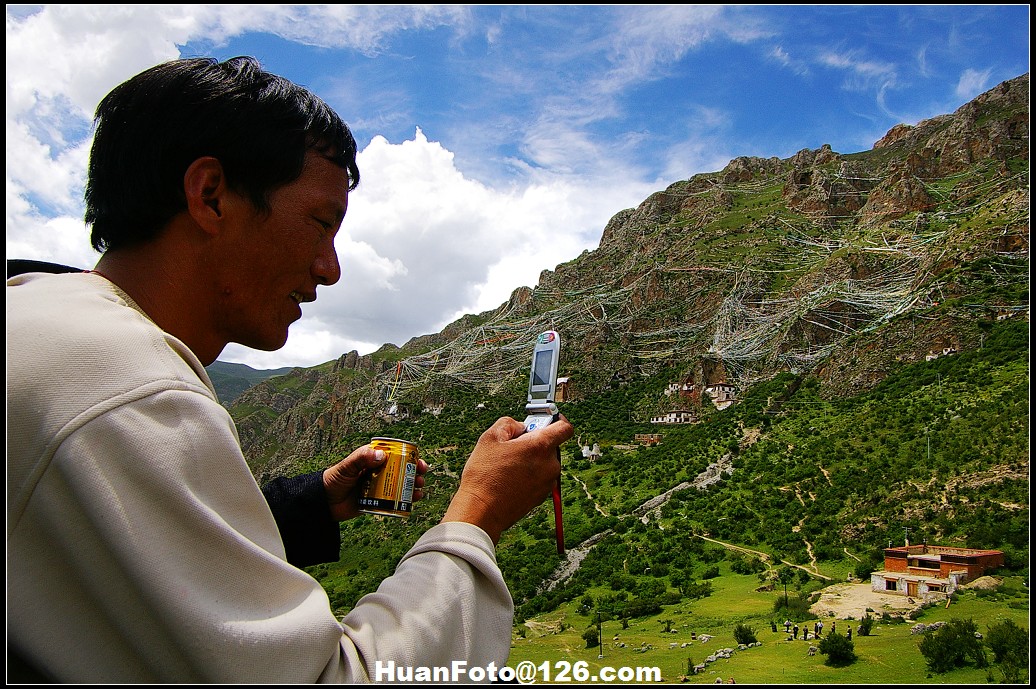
[(796, 610), (1010, 646), (696, 590), (743, 634), (952, 645), (640, 607), (591, 637), (746, 565), (839, 650), (866, 622)]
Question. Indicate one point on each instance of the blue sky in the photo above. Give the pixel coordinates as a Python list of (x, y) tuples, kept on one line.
[(497, 140)]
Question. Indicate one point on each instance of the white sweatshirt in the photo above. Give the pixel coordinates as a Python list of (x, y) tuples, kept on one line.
[(140, 548)]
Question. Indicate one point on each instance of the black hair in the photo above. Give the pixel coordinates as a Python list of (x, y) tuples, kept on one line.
[(149, 129)]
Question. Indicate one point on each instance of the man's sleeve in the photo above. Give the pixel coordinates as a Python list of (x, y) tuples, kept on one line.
[(309, 532)]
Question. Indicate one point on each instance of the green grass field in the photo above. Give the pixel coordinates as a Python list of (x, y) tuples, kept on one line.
[(889, 655)]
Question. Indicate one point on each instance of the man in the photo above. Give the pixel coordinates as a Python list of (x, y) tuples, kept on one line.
[(140, 548)]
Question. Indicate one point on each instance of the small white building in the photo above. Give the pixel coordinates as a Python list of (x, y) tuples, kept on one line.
[(676, 416), (946, 351), (592, 453), (722, 395), (681, 388)]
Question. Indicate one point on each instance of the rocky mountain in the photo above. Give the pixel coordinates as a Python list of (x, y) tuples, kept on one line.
[(833, 267), (231, 379)]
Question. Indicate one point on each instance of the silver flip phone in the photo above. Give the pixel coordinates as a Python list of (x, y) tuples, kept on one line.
[(543, 381)]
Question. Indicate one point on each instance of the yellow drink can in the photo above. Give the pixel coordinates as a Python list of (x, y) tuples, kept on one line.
[(390, 490)]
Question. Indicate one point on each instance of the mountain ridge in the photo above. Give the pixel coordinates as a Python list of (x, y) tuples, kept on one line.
[(732, 276), (231, 379)]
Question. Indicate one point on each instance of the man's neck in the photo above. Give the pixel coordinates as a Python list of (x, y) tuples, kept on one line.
[(167, 292)]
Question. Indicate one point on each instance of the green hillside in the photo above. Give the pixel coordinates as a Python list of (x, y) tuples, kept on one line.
[(230, 379)]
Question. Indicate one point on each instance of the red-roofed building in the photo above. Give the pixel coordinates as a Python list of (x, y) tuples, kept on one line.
[(921, 570)]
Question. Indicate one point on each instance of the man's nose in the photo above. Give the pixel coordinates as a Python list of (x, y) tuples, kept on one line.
[(326, 268)]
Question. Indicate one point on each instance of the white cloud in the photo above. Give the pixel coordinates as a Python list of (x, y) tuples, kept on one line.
[(972, 83), (421, 241), (422, 245)]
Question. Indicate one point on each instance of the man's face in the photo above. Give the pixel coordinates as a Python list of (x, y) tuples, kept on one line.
[(275, 261)]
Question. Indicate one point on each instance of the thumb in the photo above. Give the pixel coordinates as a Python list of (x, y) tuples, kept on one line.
[(349, 469)]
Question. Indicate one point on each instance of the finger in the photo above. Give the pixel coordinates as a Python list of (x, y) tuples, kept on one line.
[(505, 429), (362, 459), (349, 469), (560, 431), (550, 436)]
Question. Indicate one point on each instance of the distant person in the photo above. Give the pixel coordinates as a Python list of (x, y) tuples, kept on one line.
[(140, 548)]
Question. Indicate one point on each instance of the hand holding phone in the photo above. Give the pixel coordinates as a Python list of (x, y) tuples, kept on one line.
[(542, 409)]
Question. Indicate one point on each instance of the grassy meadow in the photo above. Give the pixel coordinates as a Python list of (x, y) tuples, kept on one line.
[(889, 655)]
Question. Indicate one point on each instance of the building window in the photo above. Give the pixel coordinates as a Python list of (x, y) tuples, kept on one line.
[(890, 585)]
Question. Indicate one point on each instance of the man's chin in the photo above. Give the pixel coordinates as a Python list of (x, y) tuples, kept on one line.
[(267, 344)]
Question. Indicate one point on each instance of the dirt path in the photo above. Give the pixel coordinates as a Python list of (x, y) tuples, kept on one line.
[(587, 491), (765, 557), (573, 558)]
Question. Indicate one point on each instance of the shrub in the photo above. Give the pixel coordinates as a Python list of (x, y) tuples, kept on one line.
[(695, 590), (866, 622), (1010, 646), (952, 645), (746, 565), (743, 634), (839, 650), (591, 637), (641, 607), (796, 610)]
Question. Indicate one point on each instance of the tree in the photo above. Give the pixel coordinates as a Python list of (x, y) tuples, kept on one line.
[(864, 568), (839, 650), (591, 636), (953, 645), (785, 575), (1010, 646)]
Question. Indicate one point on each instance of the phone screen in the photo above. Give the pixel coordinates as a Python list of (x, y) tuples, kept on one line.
[(541, 369)]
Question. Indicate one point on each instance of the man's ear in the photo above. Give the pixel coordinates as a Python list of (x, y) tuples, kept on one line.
[(205, 186)]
